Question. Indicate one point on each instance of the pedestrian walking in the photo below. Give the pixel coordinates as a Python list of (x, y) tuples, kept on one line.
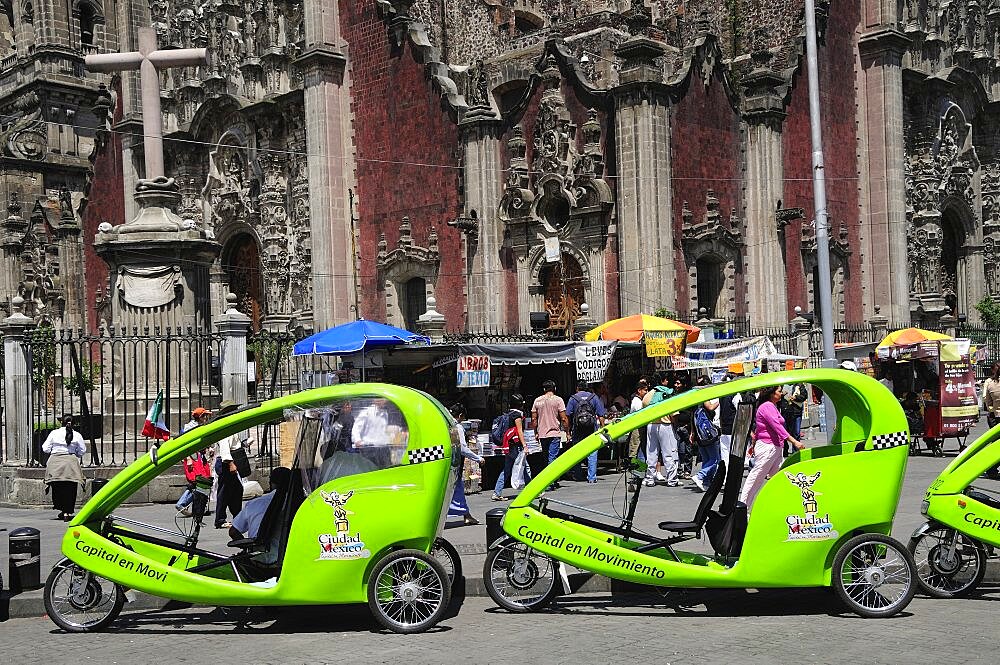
[(706, 434), (770, 437), (199, 416), (586, 413), (681, 422), (459, 507), (512, 442), (792, 407), (637, 438), (660, 438), (548, 413), (230, 493), (991, 396), (63, 471)]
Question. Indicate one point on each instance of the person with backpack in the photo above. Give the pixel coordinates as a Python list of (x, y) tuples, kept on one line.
[(585, 411), (660, 439), (707, 434), (507, 434)]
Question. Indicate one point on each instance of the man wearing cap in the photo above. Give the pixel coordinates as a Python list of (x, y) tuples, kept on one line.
[(199, 416)]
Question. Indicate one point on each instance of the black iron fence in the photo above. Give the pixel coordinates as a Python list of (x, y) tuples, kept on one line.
[(273, 371), (109, 381)]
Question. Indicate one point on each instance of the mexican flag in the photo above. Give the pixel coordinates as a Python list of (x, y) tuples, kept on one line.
[(154, 427)]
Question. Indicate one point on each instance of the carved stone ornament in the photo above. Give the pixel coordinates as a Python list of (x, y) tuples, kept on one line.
[(407, 257), (26, 137), (148, 287), (991, 226)]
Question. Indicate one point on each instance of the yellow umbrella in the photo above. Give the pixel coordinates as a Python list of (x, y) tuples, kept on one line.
[(632, 328), (910, 336)]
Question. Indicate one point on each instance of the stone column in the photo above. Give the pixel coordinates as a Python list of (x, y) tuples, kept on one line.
[(883, 197), (16, 384), (70, 249), (233, 325), (645, 230), (432, 322), (327, 113), (763, 112), (480, 129)]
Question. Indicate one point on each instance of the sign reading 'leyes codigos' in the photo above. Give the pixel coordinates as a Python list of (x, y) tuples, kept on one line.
[(660, 343), (593, 359), (473, 371)]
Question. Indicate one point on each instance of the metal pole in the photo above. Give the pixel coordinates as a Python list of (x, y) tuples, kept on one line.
[(819, 189), (819, 199)]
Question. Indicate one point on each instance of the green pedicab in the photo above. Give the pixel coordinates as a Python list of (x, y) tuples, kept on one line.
[(963, 528), (358, 522), (823, 520)]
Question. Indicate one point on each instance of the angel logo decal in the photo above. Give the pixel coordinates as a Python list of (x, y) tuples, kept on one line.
[(805, 483), (811, 525), (342, 545), (338, 501)]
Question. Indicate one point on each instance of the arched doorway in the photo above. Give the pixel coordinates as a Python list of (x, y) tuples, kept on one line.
[(414, 301), (241, 262), (711, 285), (564, 292)]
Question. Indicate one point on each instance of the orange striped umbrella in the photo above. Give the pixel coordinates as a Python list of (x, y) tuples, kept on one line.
[(633, 328), (910, 336)]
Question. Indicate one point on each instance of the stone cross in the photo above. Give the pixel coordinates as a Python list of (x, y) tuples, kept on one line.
[(148, 60)]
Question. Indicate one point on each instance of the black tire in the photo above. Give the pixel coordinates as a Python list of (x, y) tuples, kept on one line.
[(448, 557), (865, 566), (87, 593), (937, 576), (518, 578), (408, 591)]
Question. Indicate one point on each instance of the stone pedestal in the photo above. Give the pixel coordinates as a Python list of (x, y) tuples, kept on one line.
[(159, 267), (802, 328), (233, 325), (432, 322), (16, 384)]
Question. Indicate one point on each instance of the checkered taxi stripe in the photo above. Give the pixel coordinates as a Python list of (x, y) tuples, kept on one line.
[(422, 455), (882, 441)]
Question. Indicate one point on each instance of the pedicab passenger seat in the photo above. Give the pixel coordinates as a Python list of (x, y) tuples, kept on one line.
[(983, 497), (262, 541), (695, 526)]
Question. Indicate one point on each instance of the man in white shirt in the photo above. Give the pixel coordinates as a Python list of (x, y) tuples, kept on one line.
[(247, 523), (371, 426)]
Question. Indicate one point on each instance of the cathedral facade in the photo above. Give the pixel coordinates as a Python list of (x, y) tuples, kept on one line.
[(588, 158)]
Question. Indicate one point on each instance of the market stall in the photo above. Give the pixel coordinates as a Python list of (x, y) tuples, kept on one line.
[(935, 381), (745, 357)]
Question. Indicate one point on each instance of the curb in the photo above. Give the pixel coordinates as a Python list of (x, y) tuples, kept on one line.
[(30, 604)]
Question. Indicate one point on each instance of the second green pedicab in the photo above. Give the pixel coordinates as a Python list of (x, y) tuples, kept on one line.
[(963, 527), (359, 521), (823, 520)]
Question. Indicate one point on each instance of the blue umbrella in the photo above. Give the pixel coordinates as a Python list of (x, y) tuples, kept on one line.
[(356, 336)]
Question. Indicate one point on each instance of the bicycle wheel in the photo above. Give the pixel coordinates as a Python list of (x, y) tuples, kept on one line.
[(448, 557), (408, 591), (78, 601), (518, 578), (944, 572), (874, 575)]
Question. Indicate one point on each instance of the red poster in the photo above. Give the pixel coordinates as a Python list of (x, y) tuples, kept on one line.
[(959, 406)]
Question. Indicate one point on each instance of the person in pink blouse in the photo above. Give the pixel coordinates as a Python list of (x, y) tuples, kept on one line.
[(770, 437)]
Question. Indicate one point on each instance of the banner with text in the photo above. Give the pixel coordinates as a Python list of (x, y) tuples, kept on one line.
[(593, 359), (473, 371), (660, 343), (959, 404)]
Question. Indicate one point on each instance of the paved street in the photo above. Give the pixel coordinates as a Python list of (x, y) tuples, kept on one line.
[(697, 627), (769, 626)]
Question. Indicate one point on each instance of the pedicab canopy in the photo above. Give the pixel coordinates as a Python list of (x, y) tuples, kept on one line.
[(948, 364)]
